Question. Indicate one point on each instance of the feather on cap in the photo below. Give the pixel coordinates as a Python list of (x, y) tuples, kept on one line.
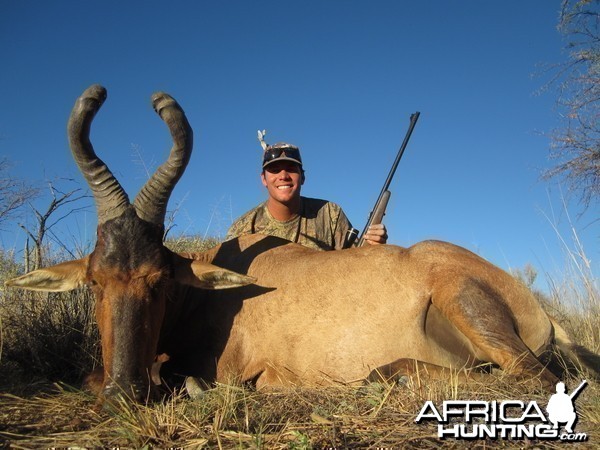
[(281, 151)]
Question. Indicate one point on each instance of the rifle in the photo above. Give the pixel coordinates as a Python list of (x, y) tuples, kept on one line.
[(376, 216)]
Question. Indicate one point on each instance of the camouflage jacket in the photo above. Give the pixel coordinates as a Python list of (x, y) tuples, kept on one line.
[(321, 225)]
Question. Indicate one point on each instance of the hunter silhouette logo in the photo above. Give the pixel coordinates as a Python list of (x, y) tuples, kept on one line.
[(561, 408), (508, 419)]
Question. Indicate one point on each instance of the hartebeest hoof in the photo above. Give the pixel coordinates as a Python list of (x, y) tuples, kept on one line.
[(93, 381)]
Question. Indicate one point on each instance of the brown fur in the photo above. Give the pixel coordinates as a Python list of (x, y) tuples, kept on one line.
[(317, 318)]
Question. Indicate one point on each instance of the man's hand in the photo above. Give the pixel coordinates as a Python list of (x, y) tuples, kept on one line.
[(376, 234)]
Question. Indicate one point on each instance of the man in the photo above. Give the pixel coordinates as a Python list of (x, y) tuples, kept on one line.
[(314, 223)]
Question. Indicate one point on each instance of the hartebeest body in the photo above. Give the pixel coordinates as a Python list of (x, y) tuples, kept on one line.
[(310, 318)]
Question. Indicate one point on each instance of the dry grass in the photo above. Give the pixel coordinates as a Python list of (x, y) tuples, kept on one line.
[(49, 334), (185, 243), (230, 416)]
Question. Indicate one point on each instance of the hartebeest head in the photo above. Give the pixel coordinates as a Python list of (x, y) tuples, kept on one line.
[(130, 270)]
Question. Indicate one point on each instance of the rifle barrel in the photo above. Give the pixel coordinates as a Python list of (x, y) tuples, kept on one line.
[(413, 121), (383, 196)]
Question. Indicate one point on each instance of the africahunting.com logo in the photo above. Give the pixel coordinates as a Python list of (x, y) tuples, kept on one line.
[(510, 419)]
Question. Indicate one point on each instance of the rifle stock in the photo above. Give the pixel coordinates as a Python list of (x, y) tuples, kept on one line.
[(377, 214), (379, 210)]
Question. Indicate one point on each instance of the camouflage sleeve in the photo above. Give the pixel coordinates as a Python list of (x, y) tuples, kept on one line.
[(243, 225), (341, 226), (234, 231)]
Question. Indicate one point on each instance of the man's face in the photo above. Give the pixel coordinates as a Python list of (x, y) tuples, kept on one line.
[(282, 180)]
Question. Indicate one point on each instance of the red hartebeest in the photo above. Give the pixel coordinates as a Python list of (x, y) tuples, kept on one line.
[(311, 317)]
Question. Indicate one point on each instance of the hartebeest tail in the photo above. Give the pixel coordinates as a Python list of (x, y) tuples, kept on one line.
[(570, 357)]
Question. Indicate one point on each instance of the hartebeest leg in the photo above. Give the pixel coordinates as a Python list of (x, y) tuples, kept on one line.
[(413, 368), (483, 317), (274, 377)]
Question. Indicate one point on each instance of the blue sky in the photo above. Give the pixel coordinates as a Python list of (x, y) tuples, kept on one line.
[(337, 78)]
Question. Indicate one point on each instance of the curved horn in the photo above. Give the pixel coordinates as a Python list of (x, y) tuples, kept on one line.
[(151, 202), (111, 199)]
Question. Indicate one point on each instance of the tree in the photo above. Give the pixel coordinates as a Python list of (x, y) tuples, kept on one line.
[(44, 223), (14, 193), (576, 144)]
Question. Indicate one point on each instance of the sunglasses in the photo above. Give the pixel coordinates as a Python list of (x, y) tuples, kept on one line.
[(274, 153)]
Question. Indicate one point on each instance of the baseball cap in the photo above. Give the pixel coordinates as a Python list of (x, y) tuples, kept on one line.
[(281, 151)]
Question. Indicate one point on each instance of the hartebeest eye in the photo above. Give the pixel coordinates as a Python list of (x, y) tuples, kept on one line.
[(155, 279), (94, 286)]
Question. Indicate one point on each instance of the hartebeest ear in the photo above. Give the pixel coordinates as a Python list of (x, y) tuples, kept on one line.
[(59, 278), (205, 275)]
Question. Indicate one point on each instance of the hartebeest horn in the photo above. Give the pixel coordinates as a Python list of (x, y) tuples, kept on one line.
[(111, 199), (151, 201)]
